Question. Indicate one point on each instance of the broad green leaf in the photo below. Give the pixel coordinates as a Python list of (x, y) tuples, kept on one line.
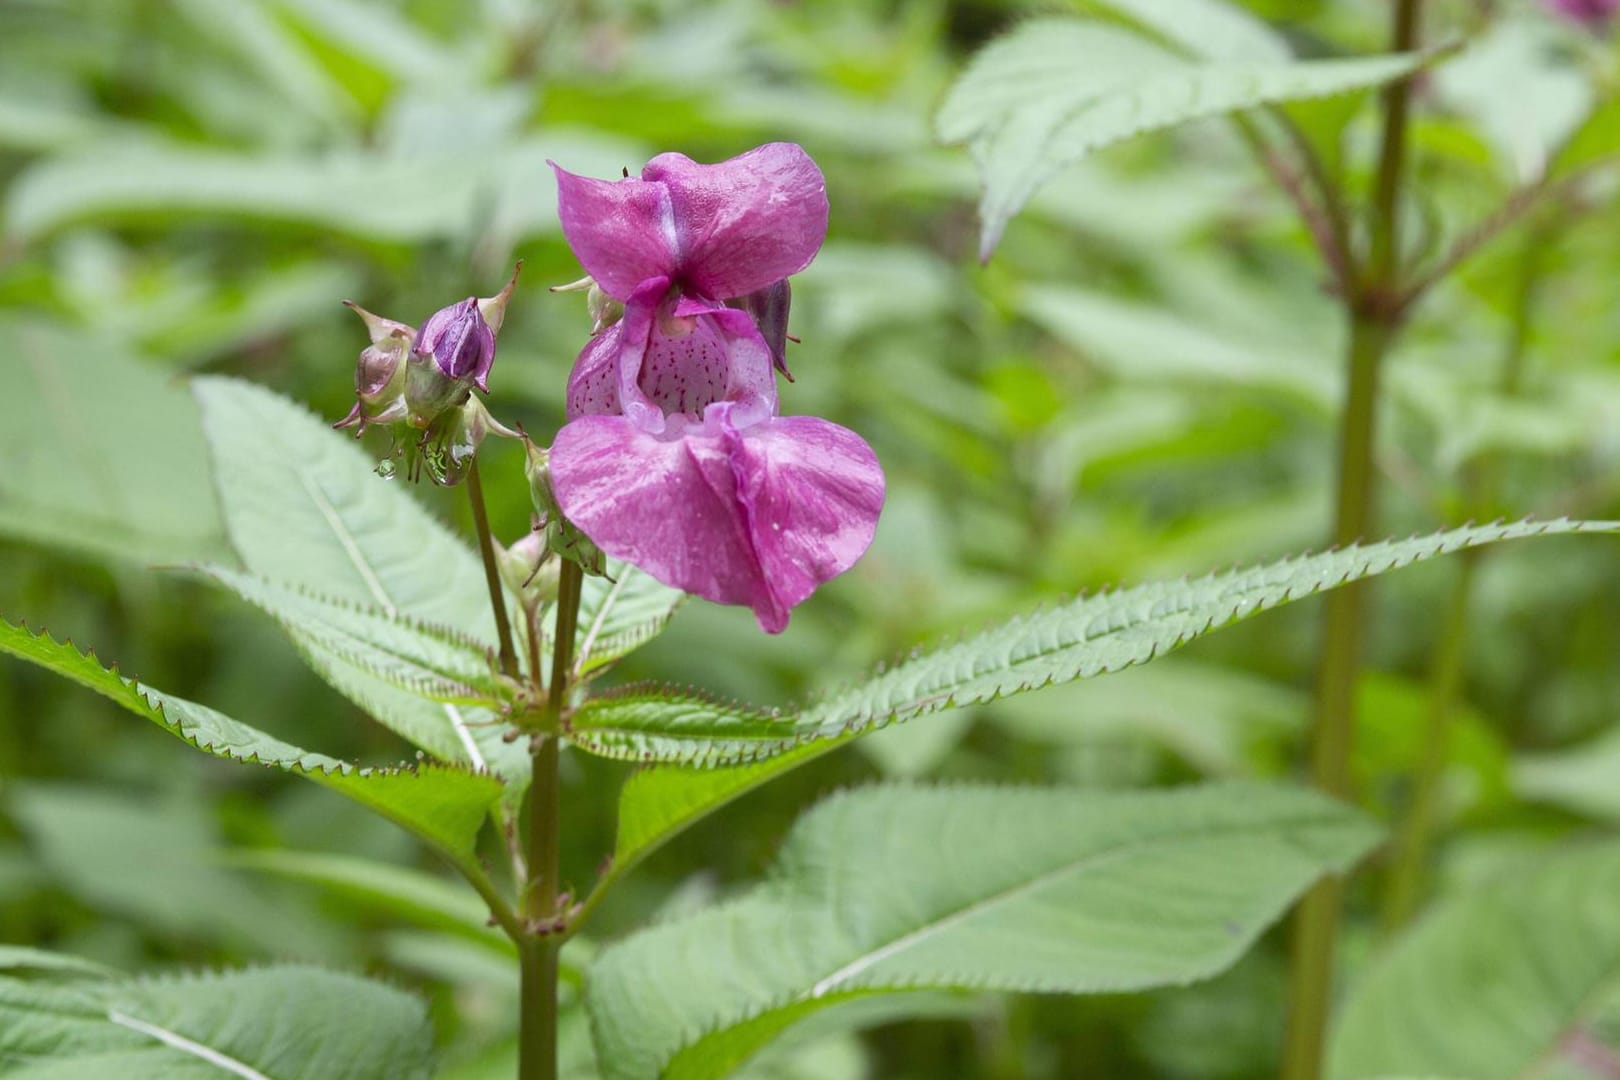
[(1055, 89), (429, 661), (443, 804), (23, 958), (1090, 636), (303, 506), (70, 478), (255, 1024), (898, 889), (424, 899), (1489, 984), (619, 613)]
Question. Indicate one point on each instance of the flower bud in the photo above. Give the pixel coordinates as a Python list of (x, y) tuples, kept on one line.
[(769, 307), (461, 343), (379, 377), (529, 569)]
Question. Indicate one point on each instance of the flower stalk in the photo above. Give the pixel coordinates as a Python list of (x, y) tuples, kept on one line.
[(542, 900)]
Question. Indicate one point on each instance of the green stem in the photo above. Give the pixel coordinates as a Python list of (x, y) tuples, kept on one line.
[(492, 573), (1405, 887), (1316, 924), (1413, 841), (537, 956), (1374, 321)]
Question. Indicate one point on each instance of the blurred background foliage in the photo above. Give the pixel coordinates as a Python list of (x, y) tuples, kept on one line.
[(1141, 383)]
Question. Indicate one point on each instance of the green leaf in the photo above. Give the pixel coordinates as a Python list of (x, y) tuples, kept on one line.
[(905, 888), (620, 613), (423, 899), (303, 506), (1055, 89), (1491, 982), (1090, 636), (430, 661), (257, 1024), (445, 805), (71, 478)]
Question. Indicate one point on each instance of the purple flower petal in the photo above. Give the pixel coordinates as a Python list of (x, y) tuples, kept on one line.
[(758, 515), (745, 223), (622, 231), (593, 385)]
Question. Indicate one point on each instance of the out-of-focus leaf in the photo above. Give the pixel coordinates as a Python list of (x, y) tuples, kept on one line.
[(107, 457), (1490, 984), (303, 506), (1055, 89), (403, 199), (420, 898), (1140, 342), (1584, 779), (444, 805), (1090, 636), (284, 1021), (155, 864), (898, 889), (1210, 29)]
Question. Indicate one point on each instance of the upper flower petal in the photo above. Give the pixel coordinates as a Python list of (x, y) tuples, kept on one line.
[(758, 515), (745, 223), (622, 231)]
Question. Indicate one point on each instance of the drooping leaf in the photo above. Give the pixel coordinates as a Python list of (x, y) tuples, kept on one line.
[(1090, 636), (73, 477), (1492, 983), (304, 507), (1055, 89), (898, 889), (420, 898), (443, 804), (1584, 779), (255, 1024)]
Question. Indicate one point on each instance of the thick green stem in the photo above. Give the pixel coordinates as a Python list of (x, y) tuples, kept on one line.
[(1374, 321), (1413, 841), (537, 957), (1317, 922), (492, 573)]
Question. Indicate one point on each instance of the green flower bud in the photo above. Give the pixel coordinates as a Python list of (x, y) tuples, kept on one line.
[(530, 570)]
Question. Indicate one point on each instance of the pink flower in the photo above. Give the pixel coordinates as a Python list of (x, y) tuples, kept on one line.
[(675, 458)]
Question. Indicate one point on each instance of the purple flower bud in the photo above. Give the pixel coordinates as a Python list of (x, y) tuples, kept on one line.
[(460, 342), (1590, 12), (379, 377)]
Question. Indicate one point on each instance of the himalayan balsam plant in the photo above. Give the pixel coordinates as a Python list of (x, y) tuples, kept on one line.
[(682, 470)]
